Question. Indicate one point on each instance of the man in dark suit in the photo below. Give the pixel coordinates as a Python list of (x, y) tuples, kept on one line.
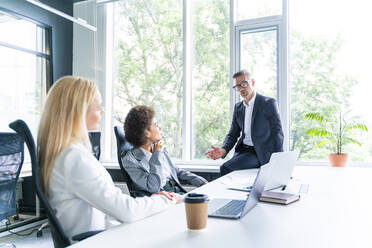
[(256, 122)]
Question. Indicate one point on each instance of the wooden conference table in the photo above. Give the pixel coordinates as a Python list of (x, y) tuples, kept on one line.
[(336, 211)]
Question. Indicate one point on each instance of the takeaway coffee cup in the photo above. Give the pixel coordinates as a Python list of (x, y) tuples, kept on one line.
[(196, 210)]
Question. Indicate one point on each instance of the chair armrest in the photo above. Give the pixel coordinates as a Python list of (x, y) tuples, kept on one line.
[(82, 236), (138, 193)]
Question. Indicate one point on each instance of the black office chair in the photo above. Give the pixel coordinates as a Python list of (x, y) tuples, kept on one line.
[(11, 161), (95, 140), (123, 146), (59, 236)]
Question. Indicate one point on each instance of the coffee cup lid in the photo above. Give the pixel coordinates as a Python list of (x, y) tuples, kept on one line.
[(196, 198)]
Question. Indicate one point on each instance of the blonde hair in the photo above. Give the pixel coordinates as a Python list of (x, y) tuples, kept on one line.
[(63, 121)]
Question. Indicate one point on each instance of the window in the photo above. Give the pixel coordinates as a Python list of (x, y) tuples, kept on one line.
[(250, 9), (261, 48), (24, 69), (210, 75), (258, 53), (330, 54), (174, 59), (177, 57), (150, 64)]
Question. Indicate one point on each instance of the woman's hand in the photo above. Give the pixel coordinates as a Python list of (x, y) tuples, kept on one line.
[(177, 197), (158, 145), (171, 196), (164, 193)]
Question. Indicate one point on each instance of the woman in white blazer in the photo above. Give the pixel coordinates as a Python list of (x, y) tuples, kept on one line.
[(78, 187)]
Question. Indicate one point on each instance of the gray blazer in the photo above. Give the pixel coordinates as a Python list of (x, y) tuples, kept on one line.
[(146, 174)]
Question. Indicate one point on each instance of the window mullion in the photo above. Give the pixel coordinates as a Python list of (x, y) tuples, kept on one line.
[(187, 102)]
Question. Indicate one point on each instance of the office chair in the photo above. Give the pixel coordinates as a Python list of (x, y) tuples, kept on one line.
[(123, 146), (11, 161), (95, 140), (59, 236)]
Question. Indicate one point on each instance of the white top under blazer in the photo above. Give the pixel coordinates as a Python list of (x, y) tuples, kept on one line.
[(85, 197)]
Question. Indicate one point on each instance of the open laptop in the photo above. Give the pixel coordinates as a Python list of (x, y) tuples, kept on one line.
[(235, 209), (281, 171)]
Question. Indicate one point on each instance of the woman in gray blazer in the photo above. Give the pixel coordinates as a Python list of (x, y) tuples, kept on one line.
[(148, 163)]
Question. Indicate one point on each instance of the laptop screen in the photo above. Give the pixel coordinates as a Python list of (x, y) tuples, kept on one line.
[(258, 188), (282, 167)]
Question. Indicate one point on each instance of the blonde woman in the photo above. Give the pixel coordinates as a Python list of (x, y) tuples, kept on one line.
[(78, 187)]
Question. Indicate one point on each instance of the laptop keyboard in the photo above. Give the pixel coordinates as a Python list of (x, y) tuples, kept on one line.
[(233, 208)]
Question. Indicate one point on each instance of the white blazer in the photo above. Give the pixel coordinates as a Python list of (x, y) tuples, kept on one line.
[(85, 197)]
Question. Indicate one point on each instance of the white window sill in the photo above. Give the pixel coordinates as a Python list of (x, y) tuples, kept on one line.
[(190, 167), (215, 168)]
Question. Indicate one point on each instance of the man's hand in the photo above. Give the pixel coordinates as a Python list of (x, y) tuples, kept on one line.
[(216, 153)]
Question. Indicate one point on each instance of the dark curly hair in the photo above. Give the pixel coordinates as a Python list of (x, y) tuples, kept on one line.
[(137, 121)]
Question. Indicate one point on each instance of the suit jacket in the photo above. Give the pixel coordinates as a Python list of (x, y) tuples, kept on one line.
[(266, 128), (146, 174)]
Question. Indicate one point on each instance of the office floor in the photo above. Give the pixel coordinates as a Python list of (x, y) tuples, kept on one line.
[(30, 241)]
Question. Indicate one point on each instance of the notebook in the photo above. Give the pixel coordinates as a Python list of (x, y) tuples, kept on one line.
[(236, 209), (279, 197), (281, 171)]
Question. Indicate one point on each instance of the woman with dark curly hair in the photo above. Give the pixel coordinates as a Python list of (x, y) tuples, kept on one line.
[(148, 164)]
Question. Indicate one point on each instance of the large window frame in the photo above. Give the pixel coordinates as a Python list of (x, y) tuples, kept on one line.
[(45, 44), (279, 24), (106, 77), (47, 55)]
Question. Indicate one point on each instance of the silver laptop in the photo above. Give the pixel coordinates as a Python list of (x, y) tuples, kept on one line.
[(236, 209), (281, 171)]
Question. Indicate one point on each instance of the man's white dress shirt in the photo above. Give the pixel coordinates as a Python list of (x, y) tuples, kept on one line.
[(248, 121)]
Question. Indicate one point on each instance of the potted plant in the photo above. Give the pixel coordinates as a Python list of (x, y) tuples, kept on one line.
[(336, 133)]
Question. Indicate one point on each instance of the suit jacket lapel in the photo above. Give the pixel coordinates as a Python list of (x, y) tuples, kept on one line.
[(241, 114), (255, 107), (173, 174), (139, 155), (172, 169)]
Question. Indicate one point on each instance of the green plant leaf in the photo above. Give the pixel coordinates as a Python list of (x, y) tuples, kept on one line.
[(321, 132), (322, 143), (350, 140), (358, 126), (314, 116)]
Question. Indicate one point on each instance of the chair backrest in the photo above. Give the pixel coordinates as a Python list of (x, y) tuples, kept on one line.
[(123, 146), (95, 140), (11, 160), (60, 238)]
